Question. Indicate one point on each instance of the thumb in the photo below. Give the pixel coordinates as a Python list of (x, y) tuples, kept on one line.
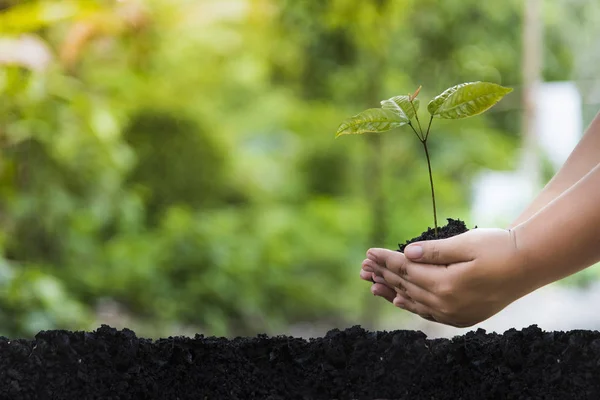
[(441, 251)]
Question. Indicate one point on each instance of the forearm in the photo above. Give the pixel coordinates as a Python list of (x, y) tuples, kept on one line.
[(564, 237), (583, 158)]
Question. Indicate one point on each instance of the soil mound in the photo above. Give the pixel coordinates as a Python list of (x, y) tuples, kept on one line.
[(348, 364)]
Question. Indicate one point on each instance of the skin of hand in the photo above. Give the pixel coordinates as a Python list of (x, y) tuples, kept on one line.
[(465, 279), (458, 281)]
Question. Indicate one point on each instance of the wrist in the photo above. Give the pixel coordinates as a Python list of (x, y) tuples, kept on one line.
[(526, 278)]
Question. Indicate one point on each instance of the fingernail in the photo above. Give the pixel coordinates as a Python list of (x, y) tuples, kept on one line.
[(367, 268), (400, 305), (415, 251)]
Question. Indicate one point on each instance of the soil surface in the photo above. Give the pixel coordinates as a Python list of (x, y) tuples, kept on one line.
[(452, 228), (349, 364)]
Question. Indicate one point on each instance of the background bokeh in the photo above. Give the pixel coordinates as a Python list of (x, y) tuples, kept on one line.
[(170, 165)]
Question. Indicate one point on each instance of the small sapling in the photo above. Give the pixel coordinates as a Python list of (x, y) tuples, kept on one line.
[(460, 101)]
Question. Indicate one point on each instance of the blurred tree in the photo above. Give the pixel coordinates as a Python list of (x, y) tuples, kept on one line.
[(177, 158), (155, 137)]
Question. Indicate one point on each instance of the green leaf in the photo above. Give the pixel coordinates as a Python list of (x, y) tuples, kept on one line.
[(372, 120), (466, 100), (401, 104)]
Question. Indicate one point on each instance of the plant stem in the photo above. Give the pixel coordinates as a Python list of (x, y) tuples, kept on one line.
[(432, 190), (417, 118), (415, 131), (423, 139), (429, 127)]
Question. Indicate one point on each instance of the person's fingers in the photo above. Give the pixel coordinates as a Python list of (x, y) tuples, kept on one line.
[(402, 286), (440, 252), (383, 256), (415, 307), (379, 287), (379, 279), (392, 260), (366, 265), (383, 291), (423, 275), (364, 275), (401, 298), (426, 276)]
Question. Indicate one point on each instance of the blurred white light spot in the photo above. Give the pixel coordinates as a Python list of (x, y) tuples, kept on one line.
[(26, 51)]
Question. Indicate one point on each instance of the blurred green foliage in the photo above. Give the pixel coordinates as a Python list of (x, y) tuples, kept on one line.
[(178, 157)]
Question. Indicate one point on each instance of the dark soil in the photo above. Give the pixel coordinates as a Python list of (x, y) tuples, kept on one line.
[(350, 364), (452, 228)]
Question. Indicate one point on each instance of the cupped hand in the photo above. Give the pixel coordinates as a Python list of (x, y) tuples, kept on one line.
[(459, 281), (379, 287)]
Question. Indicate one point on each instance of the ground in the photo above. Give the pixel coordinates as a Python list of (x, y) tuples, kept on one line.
[(348, 364)]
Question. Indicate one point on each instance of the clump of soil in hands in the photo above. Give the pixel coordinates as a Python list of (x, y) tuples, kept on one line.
[(453, 228), (349, 364)]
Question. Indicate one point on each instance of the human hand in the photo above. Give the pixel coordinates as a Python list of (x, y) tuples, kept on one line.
[(459, 281), (379, 286)]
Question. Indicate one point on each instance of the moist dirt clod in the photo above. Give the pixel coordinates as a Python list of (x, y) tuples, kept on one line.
[(344, 364), (452, 228)]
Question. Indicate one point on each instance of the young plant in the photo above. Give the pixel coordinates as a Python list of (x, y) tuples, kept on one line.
[(460, 101)]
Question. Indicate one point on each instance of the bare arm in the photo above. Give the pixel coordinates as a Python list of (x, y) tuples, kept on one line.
[(564, 237), (487, 269), (584, 157)]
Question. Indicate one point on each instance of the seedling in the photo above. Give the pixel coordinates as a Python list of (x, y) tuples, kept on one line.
[(460, 101)]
